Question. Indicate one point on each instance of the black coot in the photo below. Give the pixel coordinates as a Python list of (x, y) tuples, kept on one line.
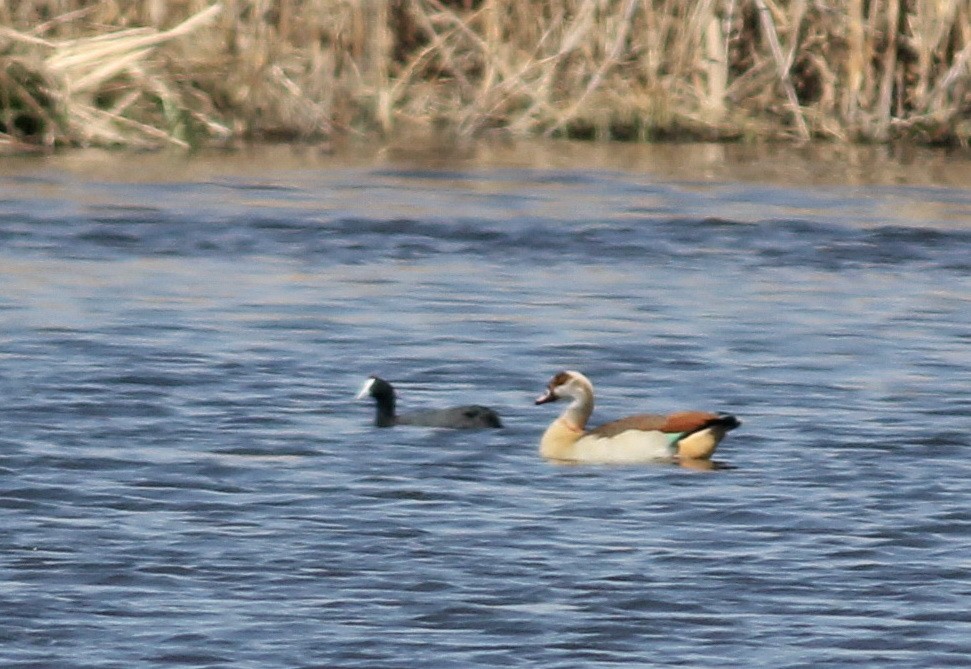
[(466, 417)]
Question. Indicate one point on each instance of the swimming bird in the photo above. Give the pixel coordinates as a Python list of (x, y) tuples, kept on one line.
[(688, 435), (464, 417)]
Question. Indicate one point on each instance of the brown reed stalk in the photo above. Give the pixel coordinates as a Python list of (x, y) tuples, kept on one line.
[(716, 34), (857, 57), (889, 72), (783, 65)]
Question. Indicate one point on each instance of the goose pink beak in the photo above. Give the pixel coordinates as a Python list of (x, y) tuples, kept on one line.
[(548, 396)]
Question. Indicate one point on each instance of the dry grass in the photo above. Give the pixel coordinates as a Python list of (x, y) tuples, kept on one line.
[(186, 72)]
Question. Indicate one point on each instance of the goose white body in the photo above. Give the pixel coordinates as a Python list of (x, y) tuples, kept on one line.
[(562, 442)]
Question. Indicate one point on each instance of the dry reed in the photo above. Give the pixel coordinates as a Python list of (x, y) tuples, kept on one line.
[(185, 72)]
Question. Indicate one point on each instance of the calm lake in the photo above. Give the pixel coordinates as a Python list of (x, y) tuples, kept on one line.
[(187, 480)]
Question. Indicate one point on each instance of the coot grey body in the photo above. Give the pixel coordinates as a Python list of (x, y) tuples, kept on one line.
[(465, 417)]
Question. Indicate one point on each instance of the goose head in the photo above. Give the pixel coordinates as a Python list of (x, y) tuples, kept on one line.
[(569, 385)]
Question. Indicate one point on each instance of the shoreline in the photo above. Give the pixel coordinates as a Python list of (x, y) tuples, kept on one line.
[(691, 164)]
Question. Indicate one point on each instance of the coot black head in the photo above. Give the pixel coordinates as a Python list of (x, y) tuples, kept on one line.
[(384, 398)]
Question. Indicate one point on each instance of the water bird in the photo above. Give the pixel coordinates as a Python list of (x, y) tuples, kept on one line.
[(464, 417), (684, 436)]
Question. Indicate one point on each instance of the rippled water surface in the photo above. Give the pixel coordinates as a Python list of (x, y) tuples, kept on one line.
[(187, 480)]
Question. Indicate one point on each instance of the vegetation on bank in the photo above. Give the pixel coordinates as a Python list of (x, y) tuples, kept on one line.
[(188, 72)]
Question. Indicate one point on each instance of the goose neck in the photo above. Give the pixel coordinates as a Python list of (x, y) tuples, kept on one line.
[(577, 413)]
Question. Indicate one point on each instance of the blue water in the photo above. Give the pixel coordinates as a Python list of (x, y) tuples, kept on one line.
[(186, 479)]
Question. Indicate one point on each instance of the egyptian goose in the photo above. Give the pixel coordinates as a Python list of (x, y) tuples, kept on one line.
[(688, 435), (472, 416)]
